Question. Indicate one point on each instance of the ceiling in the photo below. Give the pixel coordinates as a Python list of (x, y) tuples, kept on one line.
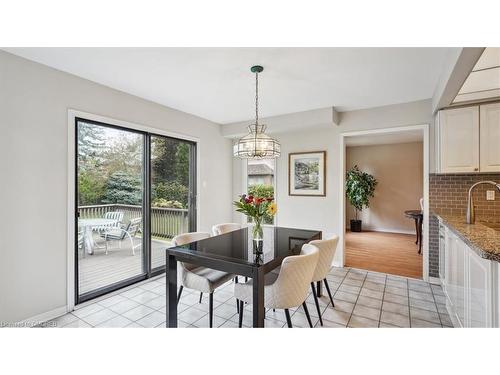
[(384, 138), (484, 80), (216, 83)]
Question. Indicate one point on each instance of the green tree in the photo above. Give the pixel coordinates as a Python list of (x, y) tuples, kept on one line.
[(91, 187), (90, 145), (123, 188)]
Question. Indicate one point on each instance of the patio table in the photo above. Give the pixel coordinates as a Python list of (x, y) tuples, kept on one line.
[(234, 253), (89, 225)]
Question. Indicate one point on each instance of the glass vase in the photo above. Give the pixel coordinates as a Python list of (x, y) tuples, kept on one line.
[(257, 235)]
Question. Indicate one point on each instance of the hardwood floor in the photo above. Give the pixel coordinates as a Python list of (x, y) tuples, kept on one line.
[(391, 253)]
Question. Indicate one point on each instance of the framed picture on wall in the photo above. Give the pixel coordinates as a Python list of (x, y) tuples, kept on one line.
[(307, 173)]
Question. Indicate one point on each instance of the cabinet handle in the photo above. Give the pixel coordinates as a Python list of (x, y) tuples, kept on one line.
[(476, 169)]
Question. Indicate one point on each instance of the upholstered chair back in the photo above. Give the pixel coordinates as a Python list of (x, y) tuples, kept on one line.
[(292, 285), (186, 238), (327, 249), (225, 228)]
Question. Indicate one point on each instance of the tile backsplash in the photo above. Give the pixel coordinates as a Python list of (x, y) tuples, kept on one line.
[(448, 193)]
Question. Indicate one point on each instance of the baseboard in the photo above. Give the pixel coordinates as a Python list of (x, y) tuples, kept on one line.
[(384, 230), (43, 317), (434, 280)]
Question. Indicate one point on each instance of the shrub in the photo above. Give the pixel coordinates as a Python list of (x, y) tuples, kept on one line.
[(262, 191), (163, 203), (171, 191)]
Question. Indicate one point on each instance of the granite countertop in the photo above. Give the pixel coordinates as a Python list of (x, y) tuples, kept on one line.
[(483, 240)]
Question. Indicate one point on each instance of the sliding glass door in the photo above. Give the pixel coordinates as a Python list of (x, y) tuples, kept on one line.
[(134, 194), (171, 180)]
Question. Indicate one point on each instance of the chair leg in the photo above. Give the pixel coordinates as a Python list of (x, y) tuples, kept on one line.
[(179, 294), (288, 319), (317, 303), (201, 296), (329, 293), (211, 309), (304, 306), (240, 320), (237, 300)]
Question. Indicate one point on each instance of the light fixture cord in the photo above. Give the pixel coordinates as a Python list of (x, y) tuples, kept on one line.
[(257, 98), (256, 112)]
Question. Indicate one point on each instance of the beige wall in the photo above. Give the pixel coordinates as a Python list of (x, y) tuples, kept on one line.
[(34, 103), (323, 212), (398, 169)]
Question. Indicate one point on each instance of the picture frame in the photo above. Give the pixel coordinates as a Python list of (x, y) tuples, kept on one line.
[(307, 174)]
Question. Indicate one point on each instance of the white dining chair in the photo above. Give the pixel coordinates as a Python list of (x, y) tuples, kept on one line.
[(287, 289), (327, 249), (219, 229), (202, 279)]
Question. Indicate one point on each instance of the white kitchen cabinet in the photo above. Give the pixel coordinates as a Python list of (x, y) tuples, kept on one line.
[(489, 131), (480, 295), (458, 132), (456, 278), (468, 139), (470, 284)]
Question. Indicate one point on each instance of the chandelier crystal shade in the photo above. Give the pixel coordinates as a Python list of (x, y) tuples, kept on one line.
[(257, 144)]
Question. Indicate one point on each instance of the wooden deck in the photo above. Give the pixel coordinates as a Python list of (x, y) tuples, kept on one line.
[(99, 270)]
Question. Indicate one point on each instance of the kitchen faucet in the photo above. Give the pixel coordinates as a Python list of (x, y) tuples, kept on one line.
[(471, 217)]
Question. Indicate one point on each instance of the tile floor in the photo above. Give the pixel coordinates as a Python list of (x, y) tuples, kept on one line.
[(362, 299)]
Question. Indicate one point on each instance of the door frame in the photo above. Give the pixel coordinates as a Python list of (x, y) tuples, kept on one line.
[(71, 191), (424, 128)]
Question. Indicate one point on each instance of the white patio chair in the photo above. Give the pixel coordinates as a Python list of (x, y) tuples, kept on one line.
[(114, 215), (120, 233)]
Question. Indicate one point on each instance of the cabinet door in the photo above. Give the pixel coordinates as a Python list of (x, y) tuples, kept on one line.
[(490, 137), (461, 282), (480, 289), (450, 273), (459, 140)]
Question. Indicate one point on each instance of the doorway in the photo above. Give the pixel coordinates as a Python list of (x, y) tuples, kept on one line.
[(398, 159), (134, 191)]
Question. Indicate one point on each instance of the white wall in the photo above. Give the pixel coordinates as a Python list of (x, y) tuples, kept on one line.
[(323, 212), (398, 169), (34, 103)]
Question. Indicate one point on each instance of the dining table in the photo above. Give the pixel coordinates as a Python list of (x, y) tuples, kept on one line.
[(239, 254), (90, 225)]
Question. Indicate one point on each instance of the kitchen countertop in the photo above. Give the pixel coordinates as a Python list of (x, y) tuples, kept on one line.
[(483, 240)]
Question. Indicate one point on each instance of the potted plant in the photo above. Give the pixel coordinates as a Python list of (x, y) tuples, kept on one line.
[(360, 187)]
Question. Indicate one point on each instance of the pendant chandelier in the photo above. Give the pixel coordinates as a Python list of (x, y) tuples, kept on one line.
[(257, 144)]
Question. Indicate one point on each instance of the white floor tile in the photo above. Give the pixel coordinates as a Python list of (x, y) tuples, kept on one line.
[(138, 312), (87, 310), (152, 320), (99, 317), (116, 322)]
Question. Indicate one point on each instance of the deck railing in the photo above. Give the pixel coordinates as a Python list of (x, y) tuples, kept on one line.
[(165, 222)]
